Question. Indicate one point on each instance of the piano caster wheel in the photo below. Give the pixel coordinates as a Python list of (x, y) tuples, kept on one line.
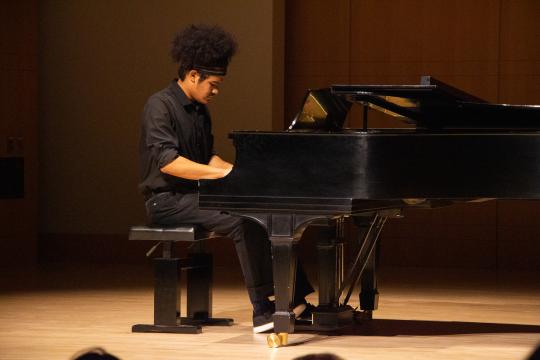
[(277, 340)]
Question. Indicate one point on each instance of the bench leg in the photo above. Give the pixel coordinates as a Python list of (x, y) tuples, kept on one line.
[(166, 300), (199, 292)]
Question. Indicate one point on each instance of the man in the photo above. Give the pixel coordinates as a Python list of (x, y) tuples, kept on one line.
[(176, 150)]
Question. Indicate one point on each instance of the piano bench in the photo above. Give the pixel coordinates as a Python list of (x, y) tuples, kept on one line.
[(167, 271)]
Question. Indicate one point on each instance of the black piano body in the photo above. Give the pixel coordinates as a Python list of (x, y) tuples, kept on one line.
[(462, 149)]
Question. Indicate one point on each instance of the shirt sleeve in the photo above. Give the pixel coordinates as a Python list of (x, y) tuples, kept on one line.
[(160, 137)]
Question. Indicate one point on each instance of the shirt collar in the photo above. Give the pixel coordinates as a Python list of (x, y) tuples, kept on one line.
[(182, 97)]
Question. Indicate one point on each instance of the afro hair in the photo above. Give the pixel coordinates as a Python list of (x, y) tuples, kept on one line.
[(203, 47)]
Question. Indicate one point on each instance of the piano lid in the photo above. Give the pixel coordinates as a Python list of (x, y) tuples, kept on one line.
[(435, 105)]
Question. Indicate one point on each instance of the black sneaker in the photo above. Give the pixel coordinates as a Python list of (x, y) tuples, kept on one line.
[(263, 312), (263, 322)]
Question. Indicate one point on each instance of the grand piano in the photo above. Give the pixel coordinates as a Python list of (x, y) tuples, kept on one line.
[(317, 173)]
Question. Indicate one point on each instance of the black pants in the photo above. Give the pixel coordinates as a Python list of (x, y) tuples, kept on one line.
[(250, 240)]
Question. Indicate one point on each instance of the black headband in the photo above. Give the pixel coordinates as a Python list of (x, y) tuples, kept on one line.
[(218, 71)]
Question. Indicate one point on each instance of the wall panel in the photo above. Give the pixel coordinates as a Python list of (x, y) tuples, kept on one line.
[(18, 127), (488, 48), (520, 53), (316, 48)]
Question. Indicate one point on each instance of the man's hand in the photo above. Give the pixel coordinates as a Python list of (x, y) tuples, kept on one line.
[(227, 171), (218, 162)]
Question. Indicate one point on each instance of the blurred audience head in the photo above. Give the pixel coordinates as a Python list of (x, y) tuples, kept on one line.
[(95, 353), (323, 356), (535, 354)]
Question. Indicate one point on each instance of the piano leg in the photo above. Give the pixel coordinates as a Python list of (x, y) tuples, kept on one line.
[(369, 296), (284, 232), (328, 251), (284, 270)]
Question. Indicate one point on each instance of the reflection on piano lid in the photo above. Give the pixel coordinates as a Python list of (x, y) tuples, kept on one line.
[(435, 105), (321, 110)]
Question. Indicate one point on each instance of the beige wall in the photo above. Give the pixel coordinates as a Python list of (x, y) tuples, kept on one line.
[(99, 62)]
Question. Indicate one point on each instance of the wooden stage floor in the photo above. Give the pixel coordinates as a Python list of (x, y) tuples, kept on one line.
[(52, 312)]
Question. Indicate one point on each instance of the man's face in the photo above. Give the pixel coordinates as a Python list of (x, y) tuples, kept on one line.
[(203, 91)]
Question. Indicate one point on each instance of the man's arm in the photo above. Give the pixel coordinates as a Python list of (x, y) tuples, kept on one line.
[(218, 162), (187, 169)]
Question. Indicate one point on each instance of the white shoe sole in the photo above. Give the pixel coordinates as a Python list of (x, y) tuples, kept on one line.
[(298, 310), (262, 328)]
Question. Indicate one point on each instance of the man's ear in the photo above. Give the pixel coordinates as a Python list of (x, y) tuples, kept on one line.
[(193, 76)]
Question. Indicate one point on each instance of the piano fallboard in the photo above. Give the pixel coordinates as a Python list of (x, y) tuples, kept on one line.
[(346, 171)]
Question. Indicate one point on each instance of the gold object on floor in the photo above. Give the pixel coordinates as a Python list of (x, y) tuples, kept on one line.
[(277, 340)]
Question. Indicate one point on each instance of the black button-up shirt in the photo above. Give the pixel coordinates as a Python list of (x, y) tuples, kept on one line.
[(172, 126)]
